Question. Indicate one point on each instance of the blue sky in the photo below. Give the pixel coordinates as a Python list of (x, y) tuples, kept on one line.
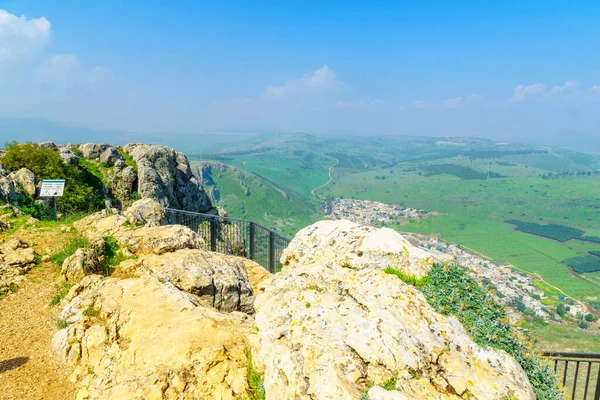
[(526, 71)]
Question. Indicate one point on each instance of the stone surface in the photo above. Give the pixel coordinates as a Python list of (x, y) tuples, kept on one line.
[(137, 240), (47, 145), (329, 332), (68, 156), (145, 212), (356, 246), (166, 176), (142, 339), (219, 280), (110, 156), (16, 258), (93, 150), (25, 179), (8, 191), (82, 263), (159, 239)]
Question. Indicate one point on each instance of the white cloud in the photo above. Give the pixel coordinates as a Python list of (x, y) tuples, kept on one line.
[(460, 101), (317, 81), (567, 86), (21, 37), (595, 89), (419, 104), (522, 92)]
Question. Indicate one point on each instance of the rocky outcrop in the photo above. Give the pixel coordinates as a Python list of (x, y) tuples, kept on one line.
[(82, 263), (331, 325), (25, 179), (93, 151), (110, 156), (68, 156), (165, 175), (145, 212), (220, 281), (356, 246), (9, 192), (142, 339), (16, 258), (330, 332)]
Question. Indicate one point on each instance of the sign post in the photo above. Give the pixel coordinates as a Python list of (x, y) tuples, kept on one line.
[(52, 188)]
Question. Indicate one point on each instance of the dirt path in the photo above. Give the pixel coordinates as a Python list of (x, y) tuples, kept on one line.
[(28, 370), (328, 182)]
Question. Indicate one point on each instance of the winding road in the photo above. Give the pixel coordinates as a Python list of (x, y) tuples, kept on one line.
[(329, 181)]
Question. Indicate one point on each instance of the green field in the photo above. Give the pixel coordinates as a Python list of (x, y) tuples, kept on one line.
[(472, 213), (474, 186)]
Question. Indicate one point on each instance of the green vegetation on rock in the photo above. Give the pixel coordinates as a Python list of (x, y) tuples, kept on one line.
[(83, 190), (452, 291)]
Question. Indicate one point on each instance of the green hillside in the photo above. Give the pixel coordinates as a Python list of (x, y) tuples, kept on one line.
[(475, 185), (246, 195)]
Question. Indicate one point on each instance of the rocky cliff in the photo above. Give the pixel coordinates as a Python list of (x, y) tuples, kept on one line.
[(174, 321), (124, 175)]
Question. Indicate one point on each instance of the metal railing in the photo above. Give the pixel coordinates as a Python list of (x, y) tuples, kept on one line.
[(579, 373), (234, 236)]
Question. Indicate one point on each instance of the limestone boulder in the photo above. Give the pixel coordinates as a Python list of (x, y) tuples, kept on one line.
[(82, 263), (165, 175), (93, 151), (47, 145), (220, 281), (145, 212), (110, 156), (68, 156), (330, 332), (101, 224), (9, 192), (137, 240), (159, 239), (140, 338), (356, 246), (25, 179), (16, 258)]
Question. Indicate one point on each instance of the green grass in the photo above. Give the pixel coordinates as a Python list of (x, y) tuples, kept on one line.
[(61, 323), (91, 312), (408, 279), (62, 289), (114, 256), (255, 382), (68, 249)]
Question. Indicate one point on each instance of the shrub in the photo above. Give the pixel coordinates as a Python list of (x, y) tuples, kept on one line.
[(452, 291), (69, 249), (83, 191)]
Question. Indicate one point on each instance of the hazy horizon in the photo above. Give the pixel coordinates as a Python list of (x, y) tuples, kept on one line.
[(523, 73)]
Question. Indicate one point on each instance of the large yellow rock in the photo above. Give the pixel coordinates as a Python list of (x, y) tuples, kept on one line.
[(330, 332), (356, 246), (139, 338)]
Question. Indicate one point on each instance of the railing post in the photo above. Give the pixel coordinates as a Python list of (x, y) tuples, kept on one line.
[(251, 229), (213, 234), (271, 252), (597, 395)]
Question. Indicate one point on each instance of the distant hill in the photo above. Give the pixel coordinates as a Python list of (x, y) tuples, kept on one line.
[(246, 195)]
